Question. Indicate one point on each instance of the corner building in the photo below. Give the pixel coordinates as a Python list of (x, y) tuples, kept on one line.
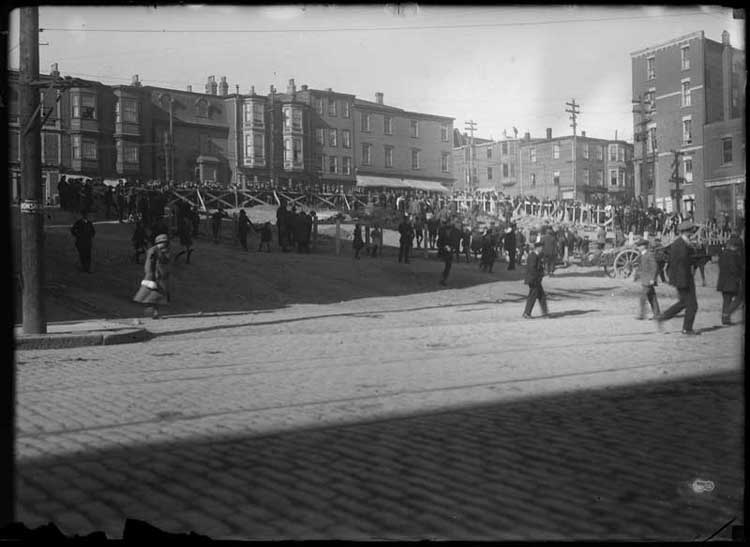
[(692, 91)]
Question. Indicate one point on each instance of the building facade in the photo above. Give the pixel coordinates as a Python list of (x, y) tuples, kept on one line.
[(300, 137), (691, 124), (486, 165)]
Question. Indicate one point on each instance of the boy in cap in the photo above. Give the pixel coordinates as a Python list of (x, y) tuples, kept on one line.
[(680, 271), (648, 273), (731, 277), (534, 275)]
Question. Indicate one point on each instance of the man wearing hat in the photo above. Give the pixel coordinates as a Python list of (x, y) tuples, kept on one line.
[(509, 244), (680, 271), (154, 289), (648, 273), (731, 278), (534, 275)]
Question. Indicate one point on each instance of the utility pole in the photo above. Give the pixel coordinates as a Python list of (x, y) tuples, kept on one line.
[(471, 126), (642, 135), (32, 210), (573, 111), (677, 179)]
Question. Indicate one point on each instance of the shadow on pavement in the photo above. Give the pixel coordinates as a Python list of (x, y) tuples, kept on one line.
[(558, 314), (613, 464)]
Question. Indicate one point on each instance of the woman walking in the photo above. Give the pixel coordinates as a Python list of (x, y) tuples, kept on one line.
[(154, 289)]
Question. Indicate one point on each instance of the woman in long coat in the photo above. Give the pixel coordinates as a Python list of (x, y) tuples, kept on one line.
[(154, 289)]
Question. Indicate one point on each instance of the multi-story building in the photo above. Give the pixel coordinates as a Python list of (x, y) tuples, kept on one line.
[(299, 137), (692, 91), (485, 165), (575, 167)]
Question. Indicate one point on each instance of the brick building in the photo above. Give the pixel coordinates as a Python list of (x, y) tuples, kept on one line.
[(693, 92), (493, 164), (299, 137)]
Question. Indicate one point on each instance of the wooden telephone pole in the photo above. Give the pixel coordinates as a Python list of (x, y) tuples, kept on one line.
[(573, 111), (642, 135), (676, 193), (471, 127), (32, 205)]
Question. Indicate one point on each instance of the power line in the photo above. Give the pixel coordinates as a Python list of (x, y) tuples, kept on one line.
[(365, 29)]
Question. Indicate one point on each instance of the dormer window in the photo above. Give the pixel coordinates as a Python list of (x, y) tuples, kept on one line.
[(201, 108)]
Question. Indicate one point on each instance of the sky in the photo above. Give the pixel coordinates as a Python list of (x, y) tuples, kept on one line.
[(501, 66)]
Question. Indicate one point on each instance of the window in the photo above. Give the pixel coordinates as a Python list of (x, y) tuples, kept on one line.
[(320, 136), (414, 128), (388, 156), (613, 177), (296, 120), (258, 113), (651, 142), (612, 152), (126, 111), (556, 178), (685, 57), (258, 145), (444, 132), (504, 148), (331, 106), (600, 153), (333, 137), (387, 125), (346, 138), (84, 107), (247, 110), (685, 92), (489, 173), (414, 158), (76, 140), (287, 114), (89, 149), (651, 99), (600, 177), (651, 68), (688, 168), (532, 155), (333, 165), (366, 154), (505, 170), (319, 105), (130, 152), (533, 179), (726, 145), (586, 150), (365, 119), (297, 151), (687, 130), (201, 108), (512, 169), (444, 162), (345, 112), (489, 153), (586, 180), (556, 151), (620, 153), (346, 164), (287, 150), (322, 164)]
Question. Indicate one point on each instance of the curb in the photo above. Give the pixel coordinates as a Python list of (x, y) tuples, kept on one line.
[(71, 340)]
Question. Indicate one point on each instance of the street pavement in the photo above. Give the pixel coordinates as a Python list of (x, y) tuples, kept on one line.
[(441, 415)]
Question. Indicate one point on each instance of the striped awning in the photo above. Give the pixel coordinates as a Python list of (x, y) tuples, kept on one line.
[(365, 181)]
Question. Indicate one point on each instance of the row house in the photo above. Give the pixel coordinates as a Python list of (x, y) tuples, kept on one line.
[(692, 91), (486, 165), (303, 136)]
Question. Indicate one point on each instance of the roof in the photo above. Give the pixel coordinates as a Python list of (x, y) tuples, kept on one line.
[(673, 41), (378, 106)]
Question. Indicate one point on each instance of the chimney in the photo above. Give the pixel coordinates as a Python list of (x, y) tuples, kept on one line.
[(304, 87), (272, 89), (223, 87), (291, 89), (252, 90), (190, 88), (237, 89), (527, 136), (379, 97), (53, 71), (134, 81), (583, 133), (549, 133), (211, 86)]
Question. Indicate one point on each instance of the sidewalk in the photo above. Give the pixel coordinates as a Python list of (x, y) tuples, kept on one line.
[(73, 334)]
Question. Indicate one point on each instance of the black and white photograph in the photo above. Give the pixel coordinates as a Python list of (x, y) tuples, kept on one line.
[(374, 272)]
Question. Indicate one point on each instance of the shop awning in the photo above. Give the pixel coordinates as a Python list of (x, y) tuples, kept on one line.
[(365, 181), (426, 185)]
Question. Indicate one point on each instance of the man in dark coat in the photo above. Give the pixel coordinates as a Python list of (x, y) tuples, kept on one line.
[(549, 251), (731, 278), (534, 275), (243, 226), (509, 244), (647, 271), (405, 239), (448, 240), (680, 271), (83, 231), (281, 226)]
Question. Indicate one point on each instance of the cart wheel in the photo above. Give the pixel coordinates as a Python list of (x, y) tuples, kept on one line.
[(625, 263)]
